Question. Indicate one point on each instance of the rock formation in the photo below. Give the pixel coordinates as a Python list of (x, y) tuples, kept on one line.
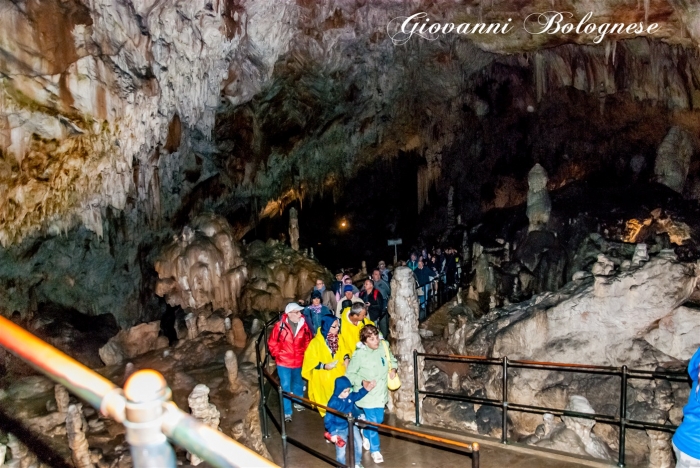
[(539, 205), (132, 342), (673, 159), (294, 228), (203, 411), (403, 326), (202, 266), (76, 437), (231, 363)]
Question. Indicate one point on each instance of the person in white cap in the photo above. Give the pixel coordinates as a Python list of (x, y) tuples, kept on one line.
[(287, 344)]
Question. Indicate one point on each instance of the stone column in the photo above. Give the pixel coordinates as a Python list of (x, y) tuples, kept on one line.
[(539, 205), (403, 312), (203, 411), (75, 429), (293, 228)]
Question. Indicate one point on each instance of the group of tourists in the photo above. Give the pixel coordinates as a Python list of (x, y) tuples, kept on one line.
[(339, 353)]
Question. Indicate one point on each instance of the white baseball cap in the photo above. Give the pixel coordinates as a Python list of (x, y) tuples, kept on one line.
[(293, 307)]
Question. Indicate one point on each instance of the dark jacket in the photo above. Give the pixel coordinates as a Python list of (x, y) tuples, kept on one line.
[(313, 319), (687, 436), (423, 275), (286, 347), (376, 303), (344, 405)]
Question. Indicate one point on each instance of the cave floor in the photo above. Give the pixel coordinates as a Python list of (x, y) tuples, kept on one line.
[(307, 426)]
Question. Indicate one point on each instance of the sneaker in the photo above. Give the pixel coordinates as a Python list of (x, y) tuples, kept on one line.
[(365, 443), (377, 457), (287, 418), (299, 407)]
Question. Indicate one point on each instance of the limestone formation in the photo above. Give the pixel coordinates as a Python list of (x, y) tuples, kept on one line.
[(3, 454), (403, 313), (202, 410), (582, 427), (62, 399), (640, 254), (202, 266), (603, 267), (294, 228), (235, 332), (77, 442), (539, 205), (131, 343), (231, 363), (191, 323), (673, 159), (21, 456)]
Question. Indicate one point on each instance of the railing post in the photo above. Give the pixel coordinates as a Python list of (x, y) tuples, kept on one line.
[(146, 391), (263, 399), (283, 427), (416, 396), (350, 447), (475, 454), (504, 402), (623, 416)]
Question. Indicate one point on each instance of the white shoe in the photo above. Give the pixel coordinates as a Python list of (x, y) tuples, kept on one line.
[(365, 443), (377, 457)]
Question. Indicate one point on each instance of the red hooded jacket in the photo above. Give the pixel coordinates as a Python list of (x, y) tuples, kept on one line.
[(287, 348)]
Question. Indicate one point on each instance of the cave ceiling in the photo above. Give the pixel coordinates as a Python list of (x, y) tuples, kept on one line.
[(157, 110)]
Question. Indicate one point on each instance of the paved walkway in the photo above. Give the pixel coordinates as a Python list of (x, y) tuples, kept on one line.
[(307, 426)]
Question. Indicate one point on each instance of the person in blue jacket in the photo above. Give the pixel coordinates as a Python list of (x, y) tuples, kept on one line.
[(343, 401), (686, 440)]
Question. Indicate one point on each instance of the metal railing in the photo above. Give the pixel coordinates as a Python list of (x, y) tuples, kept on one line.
[(264, 375), (620, 420), (436, 299), (144, 407)]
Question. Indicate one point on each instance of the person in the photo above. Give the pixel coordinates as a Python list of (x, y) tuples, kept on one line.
[(423, 278), (376, 309), (347, 281), (386, 274), (343, 401), (347, 300), (337, 287), (287, 344), (381, 285), (371, 362), (686, 440), (352, 322), (324, 361), (413, 262), (314, 311), (327, 297)]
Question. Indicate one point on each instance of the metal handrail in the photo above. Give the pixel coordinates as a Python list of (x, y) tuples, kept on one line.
[(265, 375), (143, 407), (619, 420)]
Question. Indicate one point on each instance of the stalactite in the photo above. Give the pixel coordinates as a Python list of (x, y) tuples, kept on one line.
[(540, 75), (450, 209), (423, 187)]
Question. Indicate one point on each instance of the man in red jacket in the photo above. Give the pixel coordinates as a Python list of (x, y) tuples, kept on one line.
[(287, 343)]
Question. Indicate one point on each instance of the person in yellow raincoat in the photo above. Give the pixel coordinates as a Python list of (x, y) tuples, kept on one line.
[(324, 361), (352, 321)]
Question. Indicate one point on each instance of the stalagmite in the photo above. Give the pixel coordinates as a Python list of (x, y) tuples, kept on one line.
[(403, 313), (539, 204), (62, 399), (191, 322), (203, 411), (450, 209), (673, 159), (77, 442), (231, 363), (293, 228), (21, 456), (3, 452), (128, 370), (640, 254)]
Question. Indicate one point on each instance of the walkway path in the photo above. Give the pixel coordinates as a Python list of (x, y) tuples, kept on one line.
[(308, 426)]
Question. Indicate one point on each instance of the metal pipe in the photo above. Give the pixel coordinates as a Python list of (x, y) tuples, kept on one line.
[(475, 455), (350, 447), (261, 384), (207, 443), (77, 378), (283, 427), (145, 392), (504, 402), (623, 416), (416, 397)]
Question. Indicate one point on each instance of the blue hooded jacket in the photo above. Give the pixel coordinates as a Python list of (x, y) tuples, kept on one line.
[(344, 405), (687, 437), (315, 319)]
